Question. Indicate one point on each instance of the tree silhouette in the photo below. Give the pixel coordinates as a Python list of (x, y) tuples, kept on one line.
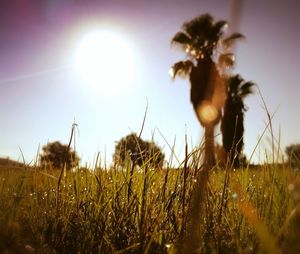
[(232, 123), (293, 154), (56, 155), (202, 39), (137, 150)]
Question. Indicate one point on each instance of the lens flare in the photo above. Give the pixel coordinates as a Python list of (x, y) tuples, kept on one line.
[(207, 112)]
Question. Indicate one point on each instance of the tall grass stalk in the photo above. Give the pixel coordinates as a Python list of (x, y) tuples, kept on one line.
[(63, 169)]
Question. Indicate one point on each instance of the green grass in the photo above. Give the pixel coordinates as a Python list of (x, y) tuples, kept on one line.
[(114, 211)]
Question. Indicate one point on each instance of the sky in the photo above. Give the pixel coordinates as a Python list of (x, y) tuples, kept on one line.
[(42, 94)]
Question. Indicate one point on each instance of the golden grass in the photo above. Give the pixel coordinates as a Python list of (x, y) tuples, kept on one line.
[(256, 211)]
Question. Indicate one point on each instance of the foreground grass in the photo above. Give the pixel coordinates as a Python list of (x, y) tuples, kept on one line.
[(146, 211)]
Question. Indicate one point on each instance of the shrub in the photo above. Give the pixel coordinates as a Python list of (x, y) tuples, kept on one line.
[(293, 154), (138, 151), (56, 155)]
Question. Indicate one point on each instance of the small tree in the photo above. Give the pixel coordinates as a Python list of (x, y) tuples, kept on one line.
[(293, 154), (137, 150), (56, 155)]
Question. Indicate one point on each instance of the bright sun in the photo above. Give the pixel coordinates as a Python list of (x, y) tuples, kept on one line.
[(105, 62)]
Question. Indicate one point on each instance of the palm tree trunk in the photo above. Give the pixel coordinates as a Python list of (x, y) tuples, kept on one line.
[(192, 240), (209, 148)]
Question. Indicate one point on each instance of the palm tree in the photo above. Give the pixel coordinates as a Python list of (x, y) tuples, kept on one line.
[(203, 41), (232, 123)]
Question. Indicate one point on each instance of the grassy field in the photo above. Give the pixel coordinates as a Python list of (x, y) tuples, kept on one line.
[(147, 211)]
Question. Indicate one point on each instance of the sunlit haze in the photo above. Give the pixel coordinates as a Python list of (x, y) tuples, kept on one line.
[(99, 63)]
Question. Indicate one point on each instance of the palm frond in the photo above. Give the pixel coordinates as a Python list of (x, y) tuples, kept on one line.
[(200, 36), (226, 60), (246, 88), (181, 68), (181, 38), (199, 27), (218, 27), (234, 83), (228, 42)]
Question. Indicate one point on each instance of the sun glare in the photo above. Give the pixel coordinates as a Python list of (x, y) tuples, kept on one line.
[(105, 62)]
